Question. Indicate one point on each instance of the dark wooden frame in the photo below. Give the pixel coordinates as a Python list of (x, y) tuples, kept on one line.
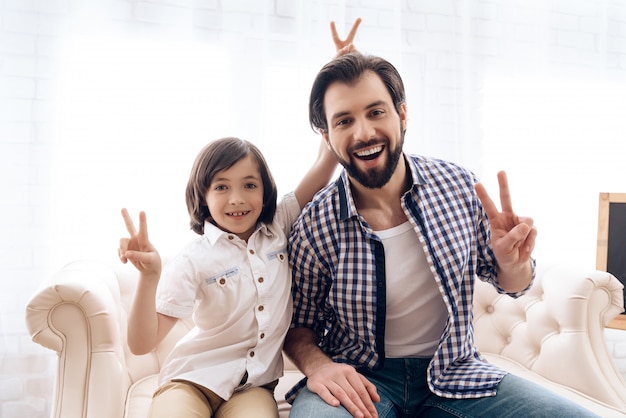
[(602, 248)]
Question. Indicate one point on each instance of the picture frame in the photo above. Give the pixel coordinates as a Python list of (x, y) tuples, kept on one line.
[(611, 243)]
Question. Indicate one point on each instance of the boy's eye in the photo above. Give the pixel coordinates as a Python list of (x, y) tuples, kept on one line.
[(220, 187), (251, 186)]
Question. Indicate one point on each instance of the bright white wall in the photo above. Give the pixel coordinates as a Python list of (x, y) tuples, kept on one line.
[(105, 103)]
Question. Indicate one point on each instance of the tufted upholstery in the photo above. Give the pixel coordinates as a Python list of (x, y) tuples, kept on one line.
[(555, 332), (553, 335)]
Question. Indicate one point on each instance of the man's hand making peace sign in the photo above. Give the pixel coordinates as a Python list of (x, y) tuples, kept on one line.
[(512, 238)]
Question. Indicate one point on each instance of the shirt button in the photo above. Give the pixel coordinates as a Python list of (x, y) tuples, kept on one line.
[(261, 308), (262, 335), (282, 257), (251, 353), (222, 280), (251, 251), (230, 237), (261, 279)]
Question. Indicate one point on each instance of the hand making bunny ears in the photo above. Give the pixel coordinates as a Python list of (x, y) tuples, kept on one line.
[(345, 46)]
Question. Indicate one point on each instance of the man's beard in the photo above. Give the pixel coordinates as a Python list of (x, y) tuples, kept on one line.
[(374, 178)]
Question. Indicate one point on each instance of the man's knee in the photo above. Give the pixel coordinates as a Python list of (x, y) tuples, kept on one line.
[(308, 404)]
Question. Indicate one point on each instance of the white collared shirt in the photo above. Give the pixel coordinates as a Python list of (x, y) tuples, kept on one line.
[(240, 297)]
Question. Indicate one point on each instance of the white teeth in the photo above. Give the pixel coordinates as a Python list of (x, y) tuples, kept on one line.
[(370, 151), (237, 213)]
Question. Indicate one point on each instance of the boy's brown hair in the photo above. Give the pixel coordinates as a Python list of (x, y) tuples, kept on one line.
[(216, 156)]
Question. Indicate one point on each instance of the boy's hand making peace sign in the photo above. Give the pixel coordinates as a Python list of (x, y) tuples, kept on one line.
[(344, 46), (137, 249)]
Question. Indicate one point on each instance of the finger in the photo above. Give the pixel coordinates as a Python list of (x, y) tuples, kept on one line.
[(352, 404), (361, 397), (529, 244), (142, 234), (130, 226), (490, 208), (521, 232), (505, 194), (354, 396), (340, 43), (371, 389), (526, 220), (334, 394), (326, 395), (139, 257), (515, 239), (121, 251), (352, 33), (334, 34)]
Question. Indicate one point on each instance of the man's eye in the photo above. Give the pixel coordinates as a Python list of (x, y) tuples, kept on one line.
[(343, 122), (377, 112)]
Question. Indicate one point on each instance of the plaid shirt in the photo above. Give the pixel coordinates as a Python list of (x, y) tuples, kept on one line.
[(338, 268)]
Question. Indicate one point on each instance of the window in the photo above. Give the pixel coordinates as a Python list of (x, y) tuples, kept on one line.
[(560, 139), (131, 117)]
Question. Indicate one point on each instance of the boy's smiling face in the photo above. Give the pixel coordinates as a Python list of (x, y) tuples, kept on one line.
[(235, 198)]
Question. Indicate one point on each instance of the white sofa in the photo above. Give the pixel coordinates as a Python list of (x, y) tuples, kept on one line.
[(554, 335)]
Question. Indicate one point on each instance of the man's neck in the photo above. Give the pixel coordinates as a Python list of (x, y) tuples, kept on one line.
[(381, 207)]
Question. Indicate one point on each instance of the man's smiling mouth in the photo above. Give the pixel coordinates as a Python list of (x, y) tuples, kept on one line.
[(370, 153)]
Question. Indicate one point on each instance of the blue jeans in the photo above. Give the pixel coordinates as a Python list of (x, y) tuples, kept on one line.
[(404, 393)]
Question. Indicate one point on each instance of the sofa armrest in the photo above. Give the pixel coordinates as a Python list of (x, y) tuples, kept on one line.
[(585, 303), (557, 329), (76, 314)]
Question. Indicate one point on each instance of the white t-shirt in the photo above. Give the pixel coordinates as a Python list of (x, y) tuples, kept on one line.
[(240, 298), (416, 314)]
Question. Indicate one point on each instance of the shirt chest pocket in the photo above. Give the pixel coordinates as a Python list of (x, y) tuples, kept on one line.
[(224, 279), (279, 256), (276, 266), (227, 290)]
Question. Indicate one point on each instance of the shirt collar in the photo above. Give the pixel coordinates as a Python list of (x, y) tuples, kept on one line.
[(213, 233), (347, 208), (418, 179)]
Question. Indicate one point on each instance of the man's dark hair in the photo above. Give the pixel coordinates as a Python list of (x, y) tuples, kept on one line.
[(348, 69)]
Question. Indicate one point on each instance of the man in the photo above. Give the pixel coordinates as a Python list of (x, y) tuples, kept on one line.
[(384, 262)]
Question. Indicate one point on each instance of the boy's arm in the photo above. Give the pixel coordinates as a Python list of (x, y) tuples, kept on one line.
[(322, 170), (318, 176), (146, 327)]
